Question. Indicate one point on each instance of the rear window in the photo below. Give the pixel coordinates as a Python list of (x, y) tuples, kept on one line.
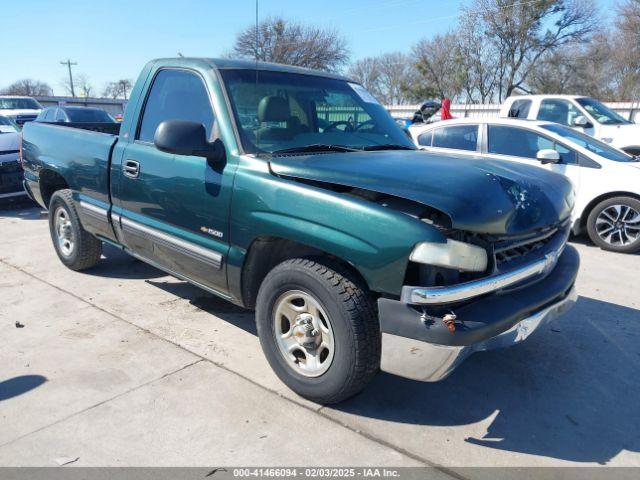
[(520, 109), (457, 137), (88, 115)]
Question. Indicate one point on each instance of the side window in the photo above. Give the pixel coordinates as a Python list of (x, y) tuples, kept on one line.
[(49, 114), (520, 109), (60, 116), (459, 137), (516, 142), (558, 111), (175, 95), (424, 140), (567, 156)]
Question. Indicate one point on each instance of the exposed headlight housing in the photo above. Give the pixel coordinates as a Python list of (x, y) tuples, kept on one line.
[(452, 254)]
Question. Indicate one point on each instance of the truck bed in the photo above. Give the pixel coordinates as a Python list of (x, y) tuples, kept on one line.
[(81, 153)]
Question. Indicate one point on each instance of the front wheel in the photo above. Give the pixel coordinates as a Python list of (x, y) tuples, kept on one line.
[(318, 329), (76, 247), (614, 224)]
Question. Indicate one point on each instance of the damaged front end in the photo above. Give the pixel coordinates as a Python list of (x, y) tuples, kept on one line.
[(437, 324)]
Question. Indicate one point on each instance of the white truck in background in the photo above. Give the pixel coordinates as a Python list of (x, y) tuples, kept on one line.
[(585, 114), (19, 109)]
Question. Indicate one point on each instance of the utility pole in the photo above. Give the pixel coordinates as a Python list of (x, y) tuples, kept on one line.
[(68, 63)]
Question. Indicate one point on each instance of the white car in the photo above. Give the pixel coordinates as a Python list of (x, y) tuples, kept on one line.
[(606, 180), (19, 109), (585, 114)]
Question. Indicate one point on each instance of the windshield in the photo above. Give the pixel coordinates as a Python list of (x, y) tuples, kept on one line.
[(590, 143), (278, 111), (19, 104), (601, 113), (88, 115), (7, 126)]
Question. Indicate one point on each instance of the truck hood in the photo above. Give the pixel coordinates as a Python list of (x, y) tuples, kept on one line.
[(478, 195), (14, 113), (8, 140), (627, 135)]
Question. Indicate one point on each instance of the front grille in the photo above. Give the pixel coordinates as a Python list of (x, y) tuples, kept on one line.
[(512, 250), (22, 119)]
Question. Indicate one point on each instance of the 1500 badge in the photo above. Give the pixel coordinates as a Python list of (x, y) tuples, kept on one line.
[(211, 231)]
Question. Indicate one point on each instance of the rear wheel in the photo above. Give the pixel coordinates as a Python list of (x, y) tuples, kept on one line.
[(76, 247), (318, 329), (614, 224)]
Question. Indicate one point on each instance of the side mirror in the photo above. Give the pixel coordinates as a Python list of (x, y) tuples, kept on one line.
[(182, 137), (548, 156), (582, 122)]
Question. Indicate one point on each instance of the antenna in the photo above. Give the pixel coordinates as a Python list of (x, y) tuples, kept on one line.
[(256, 39), (68, 63)]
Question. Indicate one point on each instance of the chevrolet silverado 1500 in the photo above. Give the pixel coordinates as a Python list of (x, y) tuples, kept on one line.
[(293, 192)]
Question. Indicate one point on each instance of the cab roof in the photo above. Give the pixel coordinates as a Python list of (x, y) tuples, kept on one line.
[(232, 64)]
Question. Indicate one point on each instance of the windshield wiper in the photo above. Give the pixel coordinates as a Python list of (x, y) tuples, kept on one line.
[(386, 146), (316, 147)]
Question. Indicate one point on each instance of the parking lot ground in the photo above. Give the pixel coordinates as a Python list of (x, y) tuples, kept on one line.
[(123, 365)]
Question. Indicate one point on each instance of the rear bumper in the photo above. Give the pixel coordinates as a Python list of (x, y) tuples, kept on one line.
[(422, 348)]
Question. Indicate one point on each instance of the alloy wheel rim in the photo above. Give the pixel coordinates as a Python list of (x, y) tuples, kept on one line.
[(618, 225), (64, 231), (303, 333)]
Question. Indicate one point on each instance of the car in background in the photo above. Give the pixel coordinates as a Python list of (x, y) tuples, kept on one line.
[(19, 109), (10, 169), (606, 180), (584, 114), (63, 114)]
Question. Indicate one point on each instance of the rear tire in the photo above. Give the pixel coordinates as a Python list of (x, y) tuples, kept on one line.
[(346, 353), (76, 248), (614, 224)]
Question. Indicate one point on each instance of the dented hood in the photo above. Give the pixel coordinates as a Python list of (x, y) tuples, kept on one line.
[(479, 195)]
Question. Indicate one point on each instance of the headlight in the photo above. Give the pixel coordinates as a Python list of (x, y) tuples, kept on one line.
[(453, 254)]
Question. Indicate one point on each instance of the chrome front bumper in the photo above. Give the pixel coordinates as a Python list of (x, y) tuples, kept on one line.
[(430, 362)]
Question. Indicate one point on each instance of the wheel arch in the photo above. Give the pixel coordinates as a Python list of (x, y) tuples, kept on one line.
[(605, 196), (50, 181), (632, 149), (265, 252)]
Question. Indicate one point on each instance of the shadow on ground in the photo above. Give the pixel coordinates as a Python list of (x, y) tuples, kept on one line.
[(22, 210), (18, 385), (570, 392)]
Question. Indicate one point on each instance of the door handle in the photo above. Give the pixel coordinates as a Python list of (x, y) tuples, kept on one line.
[(131, 168)]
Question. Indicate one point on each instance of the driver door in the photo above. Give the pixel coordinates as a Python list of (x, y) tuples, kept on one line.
[(174, 209)]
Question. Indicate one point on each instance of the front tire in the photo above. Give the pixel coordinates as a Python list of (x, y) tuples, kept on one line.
[(614, 224), (76, 247), (318, 328)]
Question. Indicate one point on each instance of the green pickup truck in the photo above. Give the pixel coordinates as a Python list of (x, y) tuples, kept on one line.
[(294, 193)]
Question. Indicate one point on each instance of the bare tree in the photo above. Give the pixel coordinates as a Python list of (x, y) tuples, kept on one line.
[(118, 89), (439, 69), (28, 87), (397, 72), (284, 41), (521, 33), (367, 72), (478, 64), (626, 50), (83, 85)]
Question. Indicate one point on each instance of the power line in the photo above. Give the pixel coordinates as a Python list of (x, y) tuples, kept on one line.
[(69, 63)]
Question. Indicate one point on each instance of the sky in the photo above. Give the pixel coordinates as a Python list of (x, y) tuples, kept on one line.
[(113, 39)]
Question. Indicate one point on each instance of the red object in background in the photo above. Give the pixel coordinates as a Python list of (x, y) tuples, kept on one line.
[(446, 109)]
